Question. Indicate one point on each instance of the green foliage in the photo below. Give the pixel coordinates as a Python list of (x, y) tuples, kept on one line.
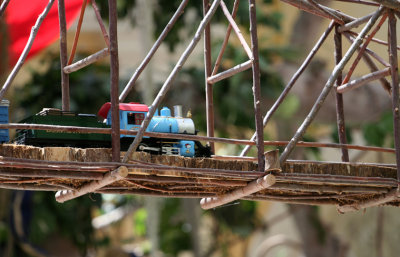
[(71, 219), (234, 97), (288, 107), (376, 133), (165, 9), (124, 8), (239, 218), (89, 85), (175, 233), (274, 19), (3, 232), (313, 150), (140, 219), (335, 134)]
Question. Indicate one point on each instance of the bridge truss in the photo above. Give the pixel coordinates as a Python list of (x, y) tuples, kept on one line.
[(274, 177)]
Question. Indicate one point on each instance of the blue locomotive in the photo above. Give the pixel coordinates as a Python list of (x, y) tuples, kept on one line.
[(131, 116)]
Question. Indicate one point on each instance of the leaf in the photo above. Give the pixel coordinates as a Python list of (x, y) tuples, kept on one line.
[(140, 219), (376, 133), (288, 107)]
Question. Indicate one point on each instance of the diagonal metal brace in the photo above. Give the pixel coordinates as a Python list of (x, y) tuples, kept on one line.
[(110, 177), (271, 163), (253, 187)]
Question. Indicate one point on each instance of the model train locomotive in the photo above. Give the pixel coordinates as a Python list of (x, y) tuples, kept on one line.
[(131, 116)]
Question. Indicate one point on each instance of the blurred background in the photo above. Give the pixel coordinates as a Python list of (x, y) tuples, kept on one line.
[(34, 224)]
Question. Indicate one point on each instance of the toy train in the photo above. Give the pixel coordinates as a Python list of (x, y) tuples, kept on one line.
[(131, 116)]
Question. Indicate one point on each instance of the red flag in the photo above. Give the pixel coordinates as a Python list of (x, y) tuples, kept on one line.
[(21, 15)]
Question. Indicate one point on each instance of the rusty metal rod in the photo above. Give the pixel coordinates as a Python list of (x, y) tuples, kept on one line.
[(63, 56), (256, 86), (339, 97), (73, 129), (153, 50), (392, 38), (114, 81), (78, 32), (207, 73)]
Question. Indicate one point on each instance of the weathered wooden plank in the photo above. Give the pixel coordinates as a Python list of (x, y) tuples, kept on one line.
[(308, 182)]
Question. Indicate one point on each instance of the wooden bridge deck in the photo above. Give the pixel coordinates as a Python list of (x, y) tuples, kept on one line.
[(305, 182)]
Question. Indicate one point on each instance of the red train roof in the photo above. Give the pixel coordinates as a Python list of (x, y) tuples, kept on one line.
[(134, 107)]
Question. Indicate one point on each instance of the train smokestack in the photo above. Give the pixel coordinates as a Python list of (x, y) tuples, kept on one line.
[(178, 111)]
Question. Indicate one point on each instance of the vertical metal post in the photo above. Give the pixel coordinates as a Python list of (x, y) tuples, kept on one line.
[(395, 86), (256, 86), (114, 79), (339, 97), (63, 55), (208, 71)]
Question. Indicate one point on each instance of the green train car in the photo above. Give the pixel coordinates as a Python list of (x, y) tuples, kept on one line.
[(131, 117), (54, 138)]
